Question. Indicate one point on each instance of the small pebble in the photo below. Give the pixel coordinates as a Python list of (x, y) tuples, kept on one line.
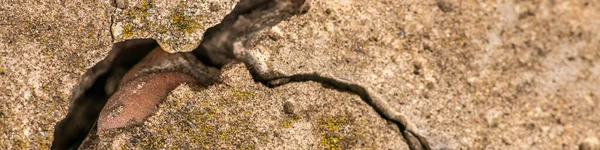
[(121, 4), (591, 143), (328, 11), (401, 34), (275, 33), (289, 107)]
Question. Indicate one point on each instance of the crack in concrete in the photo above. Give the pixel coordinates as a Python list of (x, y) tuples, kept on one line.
[(92, 92), (273, 78), (112, 22), (221, 44)]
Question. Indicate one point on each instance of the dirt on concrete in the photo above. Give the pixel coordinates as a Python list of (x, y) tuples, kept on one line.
[(501, 74)]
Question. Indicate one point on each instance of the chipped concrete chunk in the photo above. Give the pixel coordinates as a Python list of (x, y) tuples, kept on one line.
[(178, 26)]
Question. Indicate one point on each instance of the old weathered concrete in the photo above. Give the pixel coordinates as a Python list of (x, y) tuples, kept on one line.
[(469, 74)]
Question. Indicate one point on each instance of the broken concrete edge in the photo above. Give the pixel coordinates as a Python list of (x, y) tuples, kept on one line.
[(244, 25), (179, 29), (169, 47), (91, 93), (216, 49)]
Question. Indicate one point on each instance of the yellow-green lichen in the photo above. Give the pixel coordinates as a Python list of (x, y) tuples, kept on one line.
[(190, 123), (153, 142), (332, 142), (289, 121), (333, 124), (160, 29), (184, 23), (41, 144), (1, 62), (20, 144), (141, 9), (127, 31), (144, 5), (243, 94), (337, 132)]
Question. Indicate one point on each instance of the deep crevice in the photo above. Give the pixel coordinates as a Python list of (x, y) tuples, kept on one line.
[(216, 50), (91, 94)]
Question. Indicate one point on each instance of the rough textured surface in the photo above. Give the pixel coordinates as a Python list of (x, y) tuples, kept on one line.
[(137, 100), (239, 113), (178, 26), (470, 74)]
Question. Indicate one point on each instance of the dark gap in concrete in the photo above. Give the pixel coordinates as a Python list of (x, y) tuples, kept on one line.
[(91, 94), (216, 50)]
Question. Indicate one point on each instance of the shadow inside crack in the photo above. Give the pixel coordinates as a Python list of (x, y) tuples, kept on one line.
[(120, 72), (125, 88), (93, 91)]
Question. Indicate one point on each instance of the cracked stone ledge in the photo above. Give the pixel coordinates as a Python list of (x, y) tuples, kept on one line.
[(178, 19), (177, 26)]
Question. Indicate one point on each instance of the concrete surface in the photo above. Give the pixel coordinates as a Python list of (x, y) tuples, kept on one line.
[(501, 74)]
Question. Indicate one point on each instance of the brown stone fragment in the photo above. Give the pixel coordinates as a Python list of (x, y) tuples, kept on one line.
[(138, 99), (139, 93)]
